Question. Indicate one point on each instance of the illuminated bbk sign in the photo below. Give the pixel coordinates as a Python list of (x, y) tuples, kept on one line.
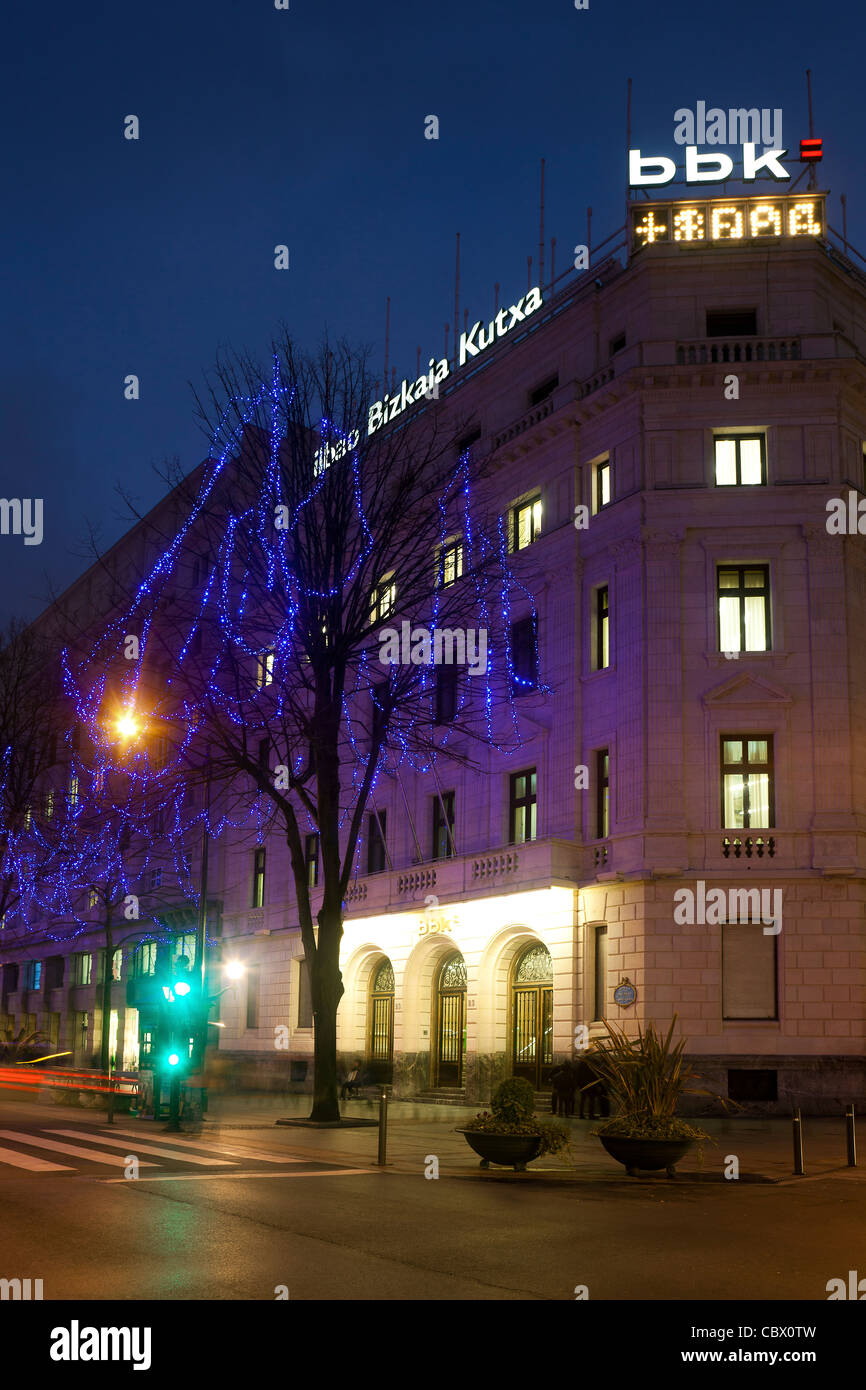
[(473, 342), (728, 219), (645, 171)]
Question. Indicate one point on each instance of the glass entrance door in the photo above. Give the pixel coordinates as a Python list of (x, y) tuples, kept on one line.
[(532, 1017), (450, 1022)]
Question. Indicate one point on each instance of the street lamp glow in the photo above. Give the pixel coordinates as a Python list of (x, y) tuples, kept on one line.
[(234, 970), (127, 725)]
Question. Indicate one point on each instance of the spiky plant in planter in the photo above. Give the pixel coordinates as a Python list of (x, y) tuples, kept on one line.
[(509, 1133), (646, 1078)]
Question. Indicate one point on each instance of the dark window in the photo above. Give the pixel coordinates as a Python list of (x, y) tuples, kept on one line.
[(522, 807), (732, 323), (379, 708), (441, 839), (10, 979), (747, 782), (546, 389), (599, 992), (311, 858), (740, 460), (376, 832), (445, 695), (744, 608), (602, 628), (472, 437), (617, 344), (264, 750), (602, 788), (305, 997), (54, 972), (253, 985), (524, 656), (754, 1084), (259, 878), (749, 970)]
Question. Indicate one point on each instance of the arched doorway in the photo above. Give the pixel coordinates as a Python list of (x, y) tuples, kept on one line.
[(532, 1015), (450, 1021), (380, 1034)]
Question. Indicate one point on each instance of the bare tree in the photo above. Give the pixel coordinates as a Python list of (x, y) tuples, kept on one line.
[(31, 727), (293, 628)]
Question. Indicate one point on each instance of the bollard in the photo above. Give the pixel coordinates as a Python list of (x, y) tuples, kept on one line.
[(851, 1136), (383, 1128), (798, 1144)]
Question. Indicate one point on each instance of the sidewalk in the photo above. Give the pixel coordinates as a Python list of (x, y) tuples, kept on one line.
[(418, 1132)]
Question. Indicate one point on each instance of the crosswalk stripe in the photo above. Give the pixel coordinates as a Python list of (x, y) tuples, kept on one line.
[(37, 1165), (95, 1155), (197, 1143), (253, 1173), (145, 1148)]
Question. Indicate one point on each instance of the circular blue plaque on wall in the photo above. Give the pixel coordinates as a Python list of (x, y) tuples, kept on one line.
[(624, 995)]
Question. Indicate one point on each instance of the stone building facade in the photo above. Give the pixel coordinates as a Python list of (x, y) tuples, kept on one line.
[(699, 634)]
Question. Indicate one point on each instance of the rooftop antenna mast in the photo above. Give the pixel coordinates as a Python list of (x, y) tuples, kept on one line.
[(813, 173), (456, 298), (541, 233), (387, 340), (627, 143)]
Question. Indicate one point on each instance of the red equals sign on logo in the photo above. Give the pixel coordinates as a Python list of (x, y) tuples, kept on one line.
[(811, 149)]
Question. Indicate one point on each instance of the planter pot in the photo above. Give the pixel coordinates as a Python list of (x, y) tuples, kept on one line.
[(506, 1150), (649, 1154)]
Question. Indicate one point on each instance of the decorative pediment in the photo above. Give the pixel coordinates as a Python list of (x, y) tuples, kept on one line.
[(744, 690)]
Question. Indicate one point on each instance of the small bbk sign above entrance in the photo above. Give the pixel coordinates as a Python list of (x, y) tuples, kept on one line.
[(625, 993), (438, 922)]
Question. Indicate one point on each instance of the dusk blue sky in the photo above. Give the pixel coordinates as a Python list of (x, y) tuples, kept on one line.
[(306, 127)]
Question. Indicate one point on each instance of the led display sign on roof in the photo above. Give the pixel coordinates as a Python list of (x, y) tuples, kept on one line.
[(724, 220)]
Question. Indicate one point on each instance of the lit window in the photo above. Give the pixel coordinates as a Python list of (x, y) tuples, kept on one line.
[(259, 878), (740, 460), (525, 524), (311, 859), (73, 790), (144, 960), (449, 564), (602, 485), (601, 654), (744, 608), (747, 783), (49, 805), (522, 807), (265, 668), (383, 600), (602, 784), (93, 898)]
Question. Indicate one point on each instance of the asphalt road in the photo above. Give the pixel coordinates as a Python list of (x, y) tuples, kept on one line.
[(237, 1215)]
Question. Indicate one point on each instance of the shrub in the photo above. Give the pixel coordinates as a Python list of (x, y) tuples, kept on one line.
[(513, 1100)]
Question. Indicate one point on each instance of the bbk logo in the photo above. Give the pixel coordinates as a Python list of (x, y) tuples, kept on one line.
[(646, 170)]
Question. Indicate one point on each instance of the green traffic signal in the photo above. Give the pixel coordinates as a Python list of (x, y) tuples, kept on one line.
[(173, 1059)]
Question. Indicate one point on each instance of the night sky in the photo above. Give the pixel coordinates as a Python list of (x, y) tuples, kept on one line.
[(306, 127)]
